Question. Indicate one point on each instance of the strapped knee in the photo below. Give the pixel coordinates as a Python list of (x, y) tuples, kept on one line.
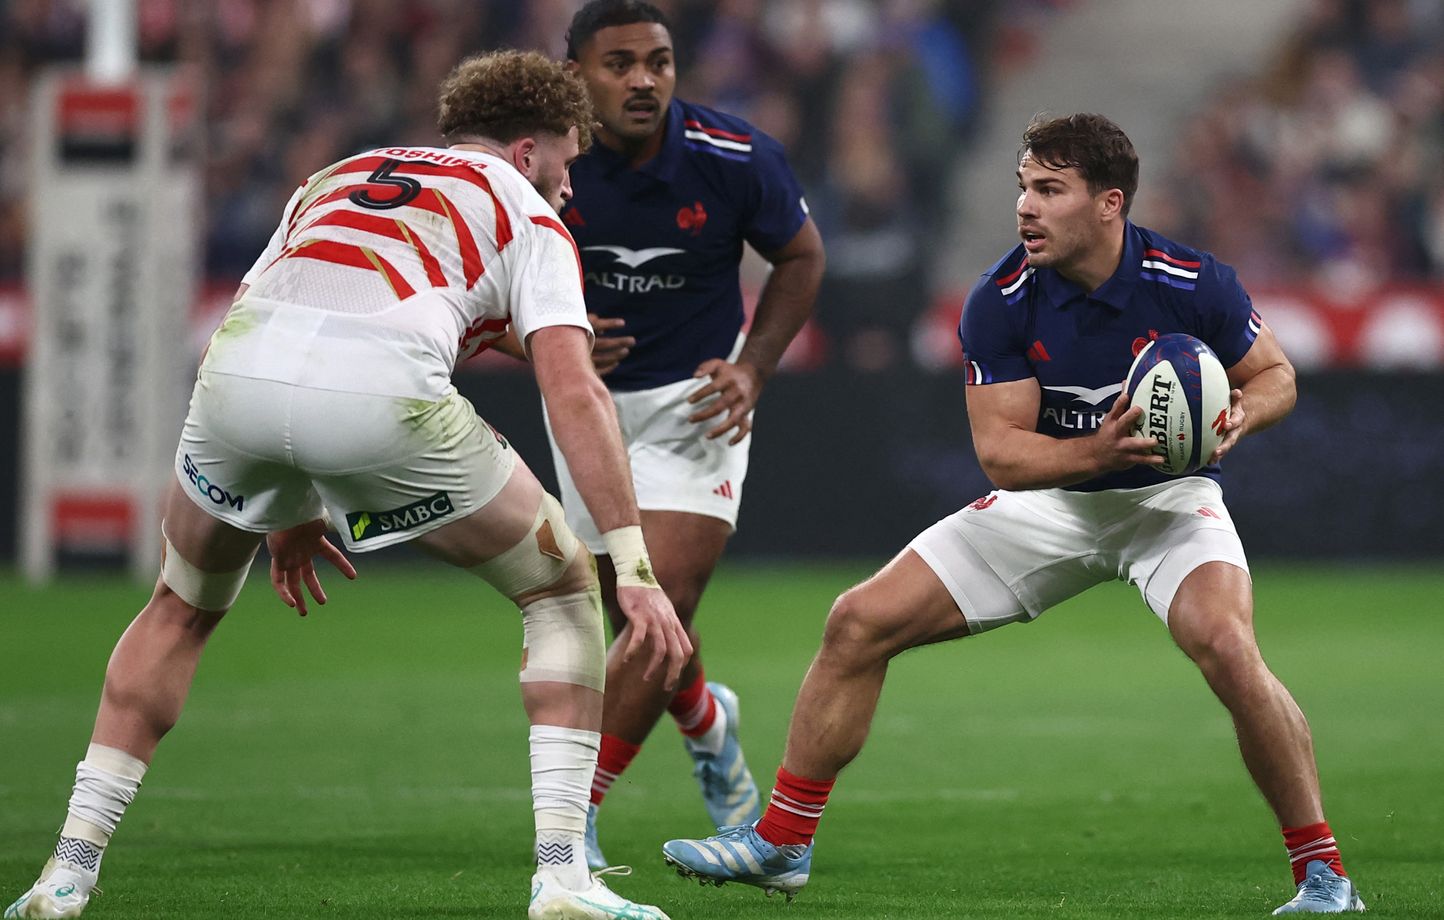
[(213, 591), (563, 640), (539, 560), (554, 575)]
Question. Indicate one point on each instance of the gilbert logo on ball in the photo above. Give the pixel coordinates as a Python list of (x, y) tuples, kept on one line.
[(1183, 390)]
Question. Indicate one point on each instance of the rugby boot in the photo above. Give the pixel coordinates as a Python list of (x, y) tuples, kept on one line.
[(550, 901), (739, 854), (1323, 892), (61, 891), (727, 785)]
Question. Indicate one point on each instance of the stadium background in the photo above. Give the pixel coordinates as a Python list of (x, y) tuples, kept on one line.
[(1301, 140)]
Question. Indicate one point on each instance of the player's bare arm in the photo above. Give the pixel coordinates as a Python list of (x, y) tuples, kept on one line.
[(584, 422), (1004, 418), (782, 308), (1264, 391)]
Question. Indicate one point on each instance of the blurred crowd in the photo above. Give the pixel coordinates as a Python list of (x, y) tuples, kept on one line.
[(294, 84), (1328, 164)]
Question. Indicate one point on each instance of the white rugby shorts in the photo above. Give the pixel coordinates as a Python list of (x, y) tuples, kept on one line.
[(1011, 555), (675, 466), (263, 455)]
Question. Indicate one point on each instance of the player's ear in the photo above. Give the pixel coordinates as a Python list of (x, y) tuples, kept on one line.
[(524, 156), (573, 66), (1113, 202)]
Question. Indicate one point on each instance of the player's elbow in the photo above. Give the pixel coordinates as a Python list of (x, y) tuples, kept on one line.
[(814, 266), (575, 394), (802, 262), (996, 467), (1280, 395), (1289, 387), (1002, 478)]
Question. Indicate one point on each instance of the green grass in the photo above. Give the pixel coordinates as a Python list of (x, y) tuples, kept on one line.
[(370, 761)]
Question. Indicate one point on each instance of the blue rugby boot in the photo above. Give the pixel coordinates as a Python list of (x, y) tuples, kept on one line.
[(1323, 892), (595, 859), (727, 785), (739, 854)]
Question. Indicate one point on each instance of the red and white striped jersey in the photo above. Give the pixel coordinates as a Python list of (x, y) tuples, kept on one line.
[(392, 266)]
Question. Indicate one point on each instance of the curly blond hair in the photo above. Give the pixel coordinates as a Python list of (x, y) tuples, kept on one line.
[(507, 95)]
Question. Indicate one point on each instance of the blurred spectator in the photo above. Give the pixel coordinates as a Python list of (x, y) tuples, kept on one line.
[(295, 84), (1329, 166), (872, 99)]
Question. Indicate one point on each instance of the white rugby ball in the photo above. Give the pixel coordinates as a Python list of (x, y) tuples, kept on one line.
[(1183, 390)]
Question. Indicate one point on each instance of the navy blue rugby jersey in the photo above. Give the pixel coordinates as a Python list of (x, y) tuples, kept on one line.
[(1022, 322), (661, 244)]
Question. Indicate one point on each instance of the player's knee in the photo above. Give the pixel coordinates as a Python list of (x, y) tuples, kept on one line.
[(214, 592), (563, 639), (1225, 653), (858, 625), (548, 562)]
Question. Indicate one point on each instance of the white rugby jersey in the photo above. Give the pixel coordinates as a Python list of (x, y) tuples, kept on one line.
[(392, 266)]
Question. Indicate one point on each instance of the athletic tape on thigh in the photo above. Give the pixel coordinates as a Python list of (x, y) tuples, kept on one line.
[(215, 591), (563, 640), (539, 559)]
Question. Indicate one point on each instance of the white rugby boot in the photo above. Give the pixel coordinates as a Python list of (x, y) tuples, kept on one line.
[(550, 901), (61, 891)]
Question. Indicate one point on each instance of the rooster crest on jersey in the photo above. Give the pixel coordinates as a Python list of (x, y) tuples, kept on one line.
[(1184, 392)]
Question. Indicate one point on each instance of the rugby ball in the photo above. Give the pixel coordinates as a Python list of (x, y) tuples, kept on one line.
[(1183, 390)]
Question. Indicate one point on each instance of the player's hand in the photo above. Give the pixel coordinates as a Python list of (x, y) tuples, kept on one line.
[(1232, 428), (292, 554), (735, 388), (654, 623), (1116, 446), (608, 350)]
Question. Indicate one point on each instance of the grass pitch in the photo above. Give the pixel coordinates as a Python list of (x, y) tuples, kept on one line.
[(370, 761)]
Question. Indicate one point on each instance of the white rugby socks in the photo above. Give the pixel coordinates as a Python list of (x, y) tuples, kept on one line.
[(562, 762), (105, 783)]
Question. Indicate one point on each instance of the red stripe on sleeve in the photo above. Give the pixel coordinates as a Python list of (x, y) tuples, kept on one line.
[(1160, 254), (717, 132), (1005, 281)]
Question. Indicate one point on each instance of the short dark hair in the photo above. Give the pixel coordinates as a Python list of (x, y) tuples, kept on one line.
[(603, 14), (1092, 144), (507, 95)]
